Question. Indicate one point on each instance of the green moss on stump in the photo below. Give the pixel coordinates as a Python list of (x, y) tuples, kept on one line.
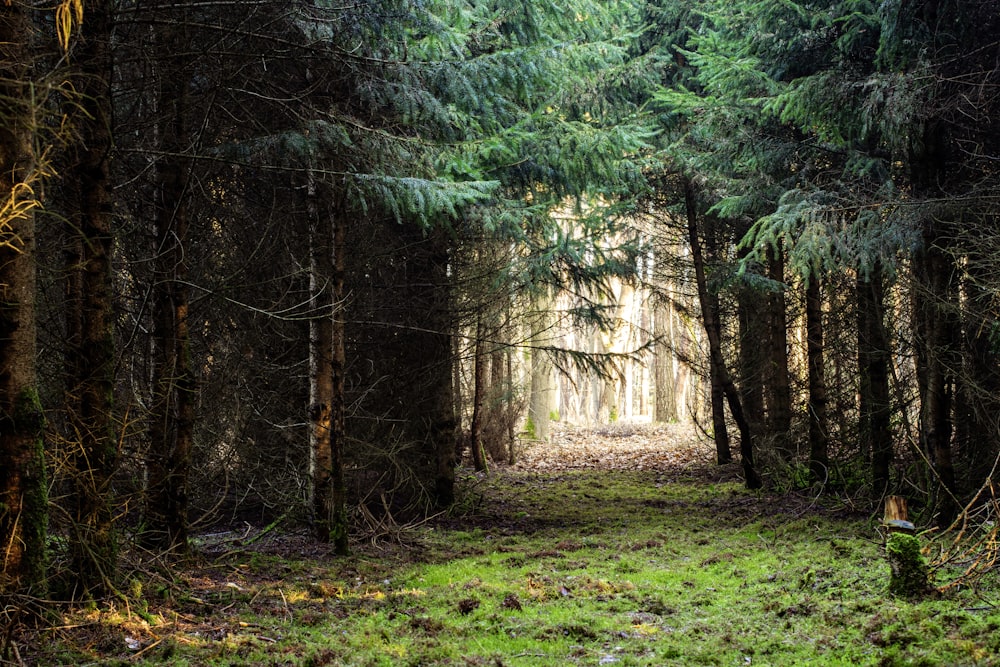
[(909, 575)]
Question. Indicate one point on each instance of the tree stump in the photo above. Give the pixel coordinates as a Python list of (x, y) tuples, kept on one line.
[(908, 570)]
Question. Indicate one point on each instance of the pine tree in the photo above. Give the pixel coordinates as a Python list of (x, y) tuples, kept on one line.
[(23, 487), (90, 334)]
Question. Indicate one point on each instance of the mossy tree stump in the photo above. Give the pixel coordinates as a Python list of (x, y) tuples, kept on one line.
[(909, 576)]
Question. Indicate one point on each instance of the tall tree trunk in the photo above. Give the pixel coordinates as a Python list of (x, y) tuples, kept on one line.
[(717, 372), (979, 400), (478, 397), (171, 428), (936, 308), (752, 331), (327, 368), (338, 412), (819, 462), (540, 400), (23, 497), (321, 390), (501, 410), (873, 371), (443, 431), (779, 394), (90, 331), (665, 391), (713, 332), (717, 398)]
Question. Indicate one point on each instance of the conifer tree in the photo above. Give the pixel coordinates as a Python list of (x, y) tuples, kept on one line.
[(90, 316), (854, 98), (23, 489)]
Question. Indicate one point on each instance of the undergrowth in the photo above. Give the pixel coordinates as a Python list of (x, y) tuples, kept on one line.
[(572, 568)]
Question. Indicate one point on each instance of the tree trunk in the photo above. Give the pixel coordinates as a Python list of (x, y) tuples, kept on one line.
[(751, 332), (665, 389), (779, 395), (712, 331), (23, 489), (873, 371), (936, 308), (540, 400), (90, 333), (478, 397), (819, 462), (338, 405), (717, 371), (327, 367), (443, 432), (978, 411), (720, 432), (505, 358), (321, 389), (173, 383)]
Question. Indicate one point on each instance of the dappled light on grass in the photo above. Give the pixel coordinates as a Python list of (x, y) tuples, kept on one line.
[(585, 559)]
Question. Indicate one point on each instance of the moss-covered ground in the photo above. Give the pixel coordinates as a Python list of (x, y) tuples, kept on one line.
[(565, 567)]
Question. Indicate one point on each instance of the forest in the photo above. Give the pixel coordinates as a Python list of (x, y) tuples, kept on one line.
[(328, 268)]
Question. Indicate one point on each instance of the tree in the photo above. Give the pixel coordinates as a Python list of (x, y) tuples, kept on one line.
[(171, 418), (327, 231), (90, 335), (778, 390), (819, 460), (712, 330), (480, 363), (875, 408), (23, 491)]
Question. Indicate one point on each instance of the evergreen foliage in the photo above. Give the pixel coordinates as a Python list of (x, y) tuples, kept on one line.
[(455, 168)]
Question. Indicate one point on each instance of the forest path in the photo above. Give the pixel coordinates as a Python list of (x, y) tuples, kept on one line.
[(619, 446)]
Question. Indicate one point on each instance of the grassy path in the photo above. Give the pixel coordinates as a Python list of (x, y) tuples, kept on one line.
[(671, 564)]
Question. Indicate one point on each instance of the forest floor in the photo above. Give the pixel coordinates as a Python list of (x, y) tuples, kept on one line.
[(621, 546)]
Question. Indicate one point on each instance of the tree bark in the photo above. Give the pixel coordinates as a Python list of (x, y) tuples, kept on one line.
[(90, 332), (935, 313), (664, 378), (540, 400), (443, 431), (778, 385), (321, 383), (819, 461), (873, 371), (338, 406), (478, 396), (978, 409), (712, 330), (23, 489), (501, 410), (752, 331), (171, 429), (327, 369), (717, 371), (717, 398)]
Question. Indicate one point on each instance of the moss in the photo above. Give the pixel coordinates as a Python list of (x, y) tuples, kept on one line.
[(909, 577), (28, 414), (29, 419), (529, 428)]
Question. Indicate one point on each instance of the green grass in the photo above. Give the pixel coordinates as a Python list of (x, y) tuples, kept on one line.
[(583, 568)]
